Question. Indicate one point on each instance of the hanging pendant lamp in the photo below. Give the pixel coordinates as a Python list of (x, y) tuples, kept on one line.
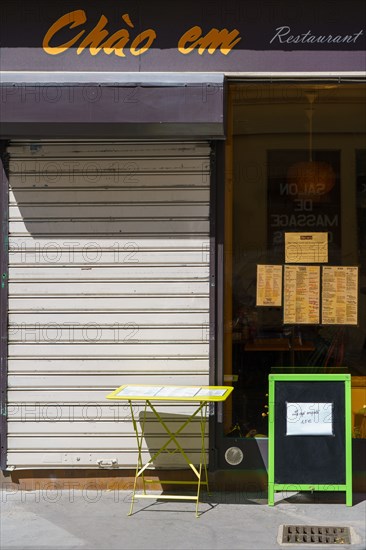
[(313, 179)]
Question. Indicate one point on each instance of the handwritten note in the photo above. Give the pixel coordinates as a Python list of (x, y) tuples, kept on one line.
[(309, 418)]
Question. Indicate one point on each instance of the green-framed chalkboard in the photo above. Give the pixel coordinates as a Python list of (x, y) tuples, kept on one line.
[(310, 438)]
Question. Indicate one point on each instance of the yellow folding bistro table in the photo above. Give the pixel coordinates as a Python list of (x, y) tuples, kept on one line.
[(200, 395)]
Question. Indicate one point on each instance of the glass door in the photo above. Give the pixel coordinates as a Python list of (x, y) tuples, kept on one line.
[(294, 261)]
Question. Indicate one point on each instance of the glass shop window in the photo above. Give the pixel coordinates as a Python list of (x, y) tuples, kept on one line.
[(295, 239)]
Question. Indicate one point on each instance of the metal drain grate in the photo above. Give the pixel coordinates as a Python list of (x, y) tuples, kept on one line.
[(313, 534)]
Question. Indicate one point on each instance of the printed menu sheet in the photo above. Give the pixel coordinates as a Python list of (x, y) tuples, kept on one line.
[(340, 295), (301, 294), (306, 248), (158, 391), (269, 285), (169, 392)]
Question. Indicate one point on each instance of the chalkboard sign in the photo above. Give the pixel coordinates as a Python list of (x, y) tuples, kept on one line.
[(310, 441)]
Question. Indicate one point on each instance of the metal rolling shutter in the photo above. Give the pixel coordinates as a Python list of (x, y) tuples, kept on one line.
[(108, 284)]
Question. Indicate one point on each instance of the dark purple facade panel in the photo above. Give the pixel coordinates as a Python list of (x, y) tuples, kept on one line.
[(110, 104), (261, 35)]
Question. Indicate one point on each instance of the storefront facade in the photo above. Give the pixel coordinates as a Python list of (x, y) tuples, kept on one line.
[(147, 172)]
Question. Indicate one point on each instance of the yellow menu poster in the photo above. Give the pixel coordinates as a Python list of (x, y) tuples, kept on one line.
[(269, 285), (306, 248), (301, 294), (340, 295)]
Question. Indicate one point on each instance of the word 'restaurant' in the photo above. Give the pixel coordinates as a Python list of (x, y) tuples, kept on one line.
[(285, 36)]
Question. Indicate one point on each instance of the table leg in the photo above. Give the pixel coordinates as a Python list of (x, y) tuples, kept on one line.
[(203, 432), (141, 441), (203, 462), (139, 438)]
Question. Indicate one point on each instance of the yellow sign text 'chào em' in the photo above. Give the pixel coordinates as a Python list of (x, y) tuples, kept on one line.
[(99, 38)]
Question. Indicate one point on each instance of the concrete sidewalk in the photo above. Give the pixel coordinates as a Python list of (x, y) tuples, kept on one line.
[(92, 519)]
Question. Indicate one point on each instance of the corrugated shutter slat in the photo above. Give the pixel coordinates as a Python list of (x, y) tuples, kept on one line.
[(108, 284)]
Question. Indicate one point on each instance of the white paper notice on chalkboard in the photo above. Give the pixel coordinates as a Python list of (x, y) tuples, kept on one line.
[(309, 418)]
